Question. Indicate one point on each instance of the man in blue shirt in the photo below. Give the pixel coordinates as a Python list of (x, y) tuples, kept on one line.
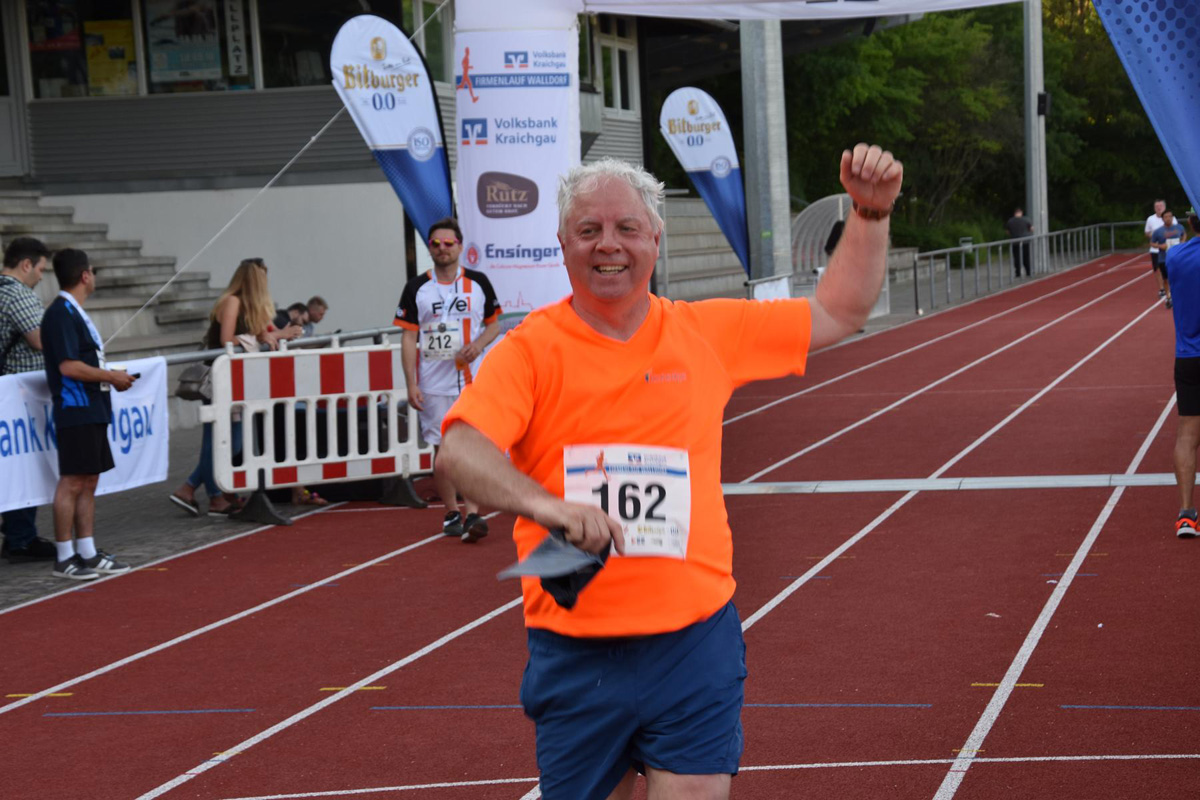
[(1167, 236), (79, 382), (1183, 274)]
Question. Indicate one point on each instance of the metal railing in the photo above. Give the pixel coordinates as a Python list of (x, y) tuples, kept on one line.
[(993, 265), (378, 335)]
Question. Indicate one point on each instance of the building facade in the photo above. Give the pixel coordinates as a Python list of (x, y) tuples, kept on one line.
[(163, 118)]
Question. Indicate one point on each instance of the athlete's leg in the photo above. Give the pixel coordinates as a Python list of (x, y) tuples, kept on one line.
[(662, 785), (1187, 439)]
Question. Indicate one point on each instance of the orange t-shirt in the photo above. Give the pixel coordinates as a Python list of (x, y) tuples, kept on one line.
[(554, 381)]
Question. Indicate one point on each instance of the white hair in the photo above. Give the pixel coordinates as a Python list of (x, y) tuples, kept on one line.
[(585, 178)]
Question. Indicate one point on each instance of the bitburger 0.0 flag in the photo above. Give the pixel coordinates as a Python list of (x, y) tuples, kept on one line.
[(698, 133), (385, 85), (1158, 42)]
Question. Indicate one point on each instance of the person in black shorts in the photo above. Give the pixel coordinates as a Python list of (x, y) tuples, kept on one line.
[(79, 383), (1182, 266)]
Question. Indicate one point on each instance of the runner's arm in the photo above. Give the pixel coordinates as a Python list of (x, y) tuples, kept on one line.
[(408, 359), (857, 269), (480, 471)]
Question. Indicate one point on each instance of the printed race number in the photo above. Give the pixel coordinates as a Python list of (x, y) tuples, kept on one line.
[(647, 489), (440, 341)]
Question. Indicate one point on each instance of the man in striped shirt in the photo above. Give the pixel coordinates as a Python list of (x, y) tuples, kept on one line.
[(449, 315)]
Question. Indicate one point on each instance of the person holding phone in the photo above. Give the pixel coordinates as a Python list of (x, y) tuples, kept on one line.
[(80, 382)]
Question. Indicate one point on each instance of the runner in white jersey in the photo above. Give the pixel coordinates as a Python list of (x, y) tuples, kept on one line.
[(1153, 223), (449, 315)]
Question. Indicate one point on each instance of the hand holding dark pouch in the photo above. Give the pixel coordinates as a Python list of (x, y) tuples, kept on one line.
[(564, 569)]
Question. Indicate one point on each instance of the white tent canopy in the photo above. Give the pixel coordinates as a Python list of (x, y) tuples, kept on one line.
[(488, 14)]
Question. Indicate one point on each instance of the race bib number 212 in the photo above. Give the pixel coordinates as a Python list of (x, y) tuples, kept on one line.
[(647, 489)]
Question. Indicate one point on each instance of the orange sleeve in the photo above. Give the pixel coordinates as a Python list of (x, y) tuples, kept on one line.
[(408, 326), (499, 401), (758, 339)]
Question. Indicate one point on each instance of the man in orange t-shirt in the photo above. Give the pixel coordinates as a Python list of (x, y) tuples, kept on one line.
[(609, 404)]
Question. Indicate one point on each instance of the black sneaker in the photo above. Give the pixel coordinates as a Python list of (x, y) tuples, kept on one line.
[(38, 550), (1168, 303), (1162, 293), (476, 528), (105, 564), (452, 525), (1185, 526), (75, 569)]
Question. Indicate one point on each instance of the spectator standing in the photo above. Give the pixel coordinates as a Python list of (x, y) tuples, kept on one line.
[(79, 382), (21, 313), (1166, 236), (244, 309), (316, 312), (1153, 223), (449, 315), (1019, 227), (1182, 265)]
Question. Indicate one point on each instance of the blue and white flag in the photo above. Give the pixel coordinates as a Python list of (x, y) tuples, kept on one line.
[(1158, 42), (385, 85), (698, 133)]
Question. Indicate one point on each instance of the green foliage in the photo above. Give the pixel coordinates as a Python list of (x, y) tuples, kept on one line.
[(946, 95)]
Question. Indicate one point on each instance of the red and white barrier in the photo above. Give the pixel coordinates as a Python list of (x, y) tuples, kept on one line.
[(307, 393)]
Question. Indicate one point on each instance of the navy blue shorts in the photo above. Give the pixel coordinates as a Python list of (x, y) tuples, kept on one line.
[(671, 701)]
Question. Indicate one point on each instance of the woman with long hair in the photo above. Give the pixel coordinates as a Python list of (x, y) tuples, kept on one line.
[(242, 315)]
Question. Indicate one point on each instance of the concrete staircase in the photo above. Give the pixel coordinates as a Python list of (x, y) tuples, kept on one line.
[(125, 279), (696, 262)]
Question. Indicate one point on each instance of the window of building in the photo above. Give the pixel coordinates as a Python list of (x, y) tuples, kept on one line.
[(84, 48), (296, 38), (436, 39), (616, 68), (198, 45)]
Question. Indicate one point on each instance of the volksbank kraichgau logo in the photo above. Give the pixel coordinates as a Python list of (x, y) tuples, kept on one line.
[(378, 48), (475, 131), (501, 195), (516, 59)]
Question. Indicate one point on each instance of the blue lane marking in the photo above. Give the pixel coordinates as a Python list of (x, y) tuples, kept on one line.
[(1139, 708), (839, 705), (435, 708), (125, 713)]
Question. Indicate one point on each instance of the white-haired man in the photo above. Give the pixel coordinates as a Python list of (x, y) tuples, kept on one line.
[(610, 405)]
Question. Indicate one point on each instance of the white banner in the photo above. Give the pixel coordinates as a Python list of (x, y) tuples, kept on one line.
[(518, 127), (695, 128), (137, 436)]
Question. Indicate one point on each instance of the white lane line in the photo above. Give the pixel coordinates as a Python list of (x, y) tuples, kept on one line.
[(914, 348), (197, 549), (956, 773), (914, 762), (824, 563), (952, 484), (533, 794), (299, 716), (917, 393), (222, 622)]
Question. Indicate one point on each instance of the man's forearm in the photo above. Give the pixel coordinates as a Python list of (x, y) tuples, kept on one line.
[(490, 332), (79, 371), (851, 283), (481, 472), (408, 357)]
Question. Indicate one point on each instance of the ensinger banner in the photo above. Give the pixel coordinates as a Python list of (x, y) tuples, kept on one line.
[(385, 85), (1159, 45), (698, 133), (138, 435), (518, 126)]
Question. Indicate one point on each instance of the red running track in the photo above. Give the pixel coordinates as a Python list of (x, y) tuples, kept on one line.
[(1029, 642)]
